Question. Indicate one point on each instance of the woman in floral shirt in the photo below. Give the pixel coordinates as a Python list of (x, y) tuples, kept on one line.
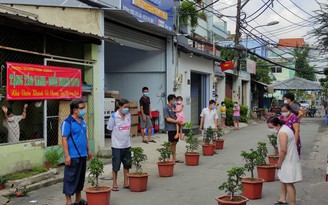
[(293, 122)]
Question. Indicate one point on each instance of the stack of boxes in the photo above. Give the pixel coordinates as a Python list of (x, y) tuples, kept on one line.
[(134, 119)]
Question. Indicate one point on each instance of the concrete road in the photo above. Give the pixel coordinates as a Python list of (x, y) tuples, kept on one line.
[(199, 185)]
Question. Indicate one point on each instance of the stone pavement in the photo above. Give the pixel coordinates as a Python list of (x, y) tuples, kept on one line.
[(198, 185)]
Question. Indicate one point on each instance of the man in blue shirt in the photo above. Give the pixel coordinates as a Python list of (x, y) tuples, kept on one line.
[(76, 150)]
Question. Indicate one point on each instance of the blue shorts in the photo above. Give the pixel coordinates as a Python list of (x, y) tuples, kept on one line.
[(121, 156), (74, 176), (236, 118), (223, 115)]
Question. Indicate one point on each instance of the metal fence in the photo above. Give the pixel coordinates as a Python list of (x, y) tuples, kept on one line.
[(43, 118)]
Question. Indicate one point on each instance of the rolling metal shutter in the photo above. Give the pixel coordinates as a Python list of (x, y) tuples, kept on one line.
[(120, 31)]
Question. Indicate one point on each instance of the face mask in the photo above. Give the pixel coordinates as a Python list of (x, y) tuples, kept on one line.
[(174, 103), (285, 101), (10, 119), (273, 130), (82, 113), (223, 104), (145, 93), (236, 104), (213, 107), (179, 102), (285, 114), (125, 111)]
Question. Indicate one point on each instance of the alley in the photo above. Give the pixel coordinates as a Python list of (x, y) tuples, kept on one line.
[(199, 185)]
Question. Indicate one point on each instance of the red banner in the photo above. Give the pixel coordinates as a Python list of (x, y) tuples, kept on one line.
[(228, 65), (37, 82)]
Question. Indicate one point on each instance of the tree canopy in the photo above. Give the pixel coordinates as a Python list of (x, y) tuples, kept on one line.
[(321, 19), (304, 70)]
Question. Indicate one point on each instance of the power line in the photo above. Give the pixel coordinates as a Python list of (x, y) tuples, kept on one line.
[(259, 10), (291, 11), (301, 9)]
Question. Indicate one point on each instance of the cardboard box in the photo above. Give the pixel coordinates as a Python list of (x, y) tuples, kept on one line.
[(134, 111), (134, 131), (134, 104), (134, 120), (112, 95)]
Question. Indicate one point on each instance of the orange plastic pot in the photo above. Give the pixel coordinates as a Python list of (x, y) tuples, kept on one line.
[(138, 181), (100, 196), (208, 149), (273, 159), (252, 188), (192, 158), (165, 169), (219, 144), (267, 172), (237, 200)]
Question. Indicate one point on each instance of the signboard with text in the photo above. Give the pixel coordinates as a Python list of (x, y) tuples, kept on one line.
[(37, 82), (158, 12)]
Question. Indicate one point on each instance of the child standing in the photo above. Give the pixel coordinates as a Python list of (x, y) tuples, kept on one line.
[(236, 115), (223, 113), (180, 116)]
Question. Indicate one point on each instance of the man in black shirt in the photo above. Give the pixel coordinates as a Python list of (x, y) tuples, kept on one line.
[(145, 116)]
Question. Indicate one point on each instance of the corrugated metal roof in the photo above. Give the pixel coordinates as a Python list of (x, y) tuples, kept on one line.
[(64, 3), (296, 83), (188, 49)]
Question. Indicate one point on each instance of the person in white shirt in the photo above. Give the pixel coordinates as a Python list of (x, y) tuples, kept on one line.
[(11, 122), (119, 124), (209, 118)]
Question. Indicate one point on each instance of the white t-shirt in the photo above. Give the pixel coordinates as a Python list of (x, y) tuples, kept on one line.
[(120, 130), (209, 117), (12, 125)]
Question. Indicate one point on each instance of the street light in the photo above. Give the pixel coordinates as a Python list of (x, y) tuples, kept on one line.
[(268, 24)]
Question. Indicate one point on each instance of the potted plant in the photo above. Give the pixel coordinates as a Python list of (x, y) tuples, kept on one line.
[(252, 187), (208, 148), (273, 158), (219, 142), (264, 171), (3, 182), (52, 158), (165, 166), (21, 192), (231, 186), (97, 195), (192, 143), (138, 180)]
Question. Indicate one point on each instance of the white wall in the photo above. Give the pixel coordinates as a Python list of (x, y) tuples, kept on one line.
[(187, 65)]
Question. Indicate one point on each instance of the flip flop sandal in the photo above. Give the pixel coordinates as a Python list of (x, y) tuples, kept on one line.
[(145, 141), (82, 202), (280, 202), (152, 141), (115, 188), (179, 161), (126, 187)]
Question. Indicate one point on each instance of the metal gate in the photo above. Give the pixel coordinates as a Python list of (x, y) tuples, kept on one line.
[(56, 111)]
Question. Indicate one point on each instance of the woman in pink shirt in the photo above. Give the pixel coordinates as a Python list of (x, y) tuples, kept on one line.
[(236, 115), (181, 117)]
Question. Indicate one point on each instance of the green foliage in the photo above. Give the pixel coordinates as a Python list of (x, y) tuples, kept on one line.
[(321, 22), (165, 151), (39, 169), (209, 134), (192, 142), (233, 184), (301, 63), (262, 72), (243, 113), (138, 156), (273, 142), (96, 168), (227, 54), (188, 15), (250, 158), (53, 156), (3, 180), (262, 153), (219, 133)]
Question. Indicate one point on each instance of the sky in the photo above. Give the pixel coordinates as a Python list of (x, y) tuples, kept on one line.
[(293, 21)]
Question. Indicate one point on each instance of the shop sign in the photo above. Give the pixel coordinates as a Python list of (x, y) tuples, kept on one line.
[(250, 66), (158, 12), (37, 82)]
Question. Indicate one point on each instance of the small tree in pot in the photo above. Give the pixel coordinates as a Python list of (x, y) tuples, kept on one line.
[(252, 187), (273, 159), (3, 182), (52, 158), (208, 148), (232, 185), (219, 142), (192, 144), (264, 170), (165, 167), (97, 195), (138, 180)]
